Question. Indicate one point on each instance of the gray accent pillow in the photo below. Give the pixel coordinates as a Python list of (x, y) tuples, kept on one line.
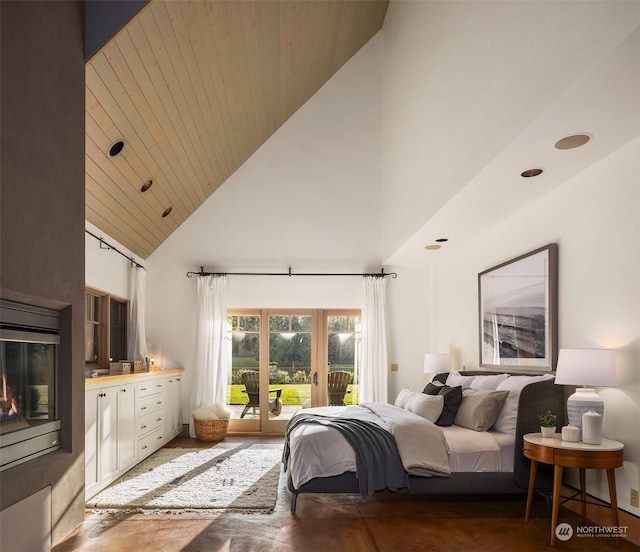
[(480, 409), (452, 399)]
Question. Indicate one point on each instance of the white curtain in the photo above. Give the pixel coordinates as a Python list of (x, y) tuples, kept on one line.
[(373, 379), (210, 381), (137, 344)]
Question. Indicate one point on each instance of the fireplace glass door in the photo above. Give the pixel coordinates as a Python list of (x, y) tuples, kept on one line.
[(29, 421), (27, 395)]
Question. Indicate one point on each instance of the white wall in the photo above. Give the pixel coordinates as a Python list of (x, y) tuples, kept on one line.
[(594, 219), (308, 198), (462, 80), (105, 269)]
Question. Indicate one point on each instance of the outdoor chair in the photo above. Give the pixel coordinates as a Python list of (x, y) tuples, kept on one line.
[(251, 382), (337, 383)]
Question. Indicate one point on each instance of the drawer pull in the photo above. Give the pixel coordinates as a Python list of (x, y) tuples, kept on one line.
[(143, 389), (144, 447), (159, 437), (143, 427), (143, 408), (159, 402), (159, 385), (123, 390), (158, 419)]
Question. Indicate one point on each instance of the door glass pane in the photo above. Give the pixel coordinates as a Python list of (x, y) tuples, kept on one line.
[(245, 358), (343, 348), (289, 364)]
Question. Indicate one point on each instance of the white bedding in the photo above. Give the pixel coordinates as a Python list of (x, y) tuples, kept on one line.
[(321, 451), (479, 451)]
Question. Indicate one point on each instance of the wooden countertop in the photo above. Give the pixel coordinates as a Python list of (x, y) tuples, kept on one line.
[(102, 380)]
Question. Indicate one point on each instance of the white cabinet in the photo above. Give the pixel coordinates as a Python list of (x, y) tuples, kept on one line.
[(127, 450), (101, 441), (127, 418), (172, 393), (150, 416)]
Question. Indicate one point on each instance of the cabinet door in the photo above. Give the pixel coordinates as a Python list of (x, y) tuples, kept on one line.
[(126, 426), (178, 406), (91, 474), (170, 388), (108, 432)]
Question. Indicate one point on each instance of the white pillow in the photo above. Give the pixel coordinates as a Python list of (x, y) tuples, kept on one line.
[(456, 379), (427, 406), (488, 383), (506, 422)]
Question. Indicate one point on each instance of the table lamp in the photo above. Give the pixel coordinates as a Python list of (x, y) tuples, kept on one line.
[(435, 363), (589, 368)]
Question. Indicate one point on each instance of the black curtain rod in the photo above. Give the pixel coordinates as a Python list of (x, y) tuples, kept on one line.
[(202, 272), (105, 245)]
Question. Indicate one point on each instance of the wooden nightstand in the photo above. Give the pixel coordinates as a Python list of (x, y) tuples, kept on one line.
[(606, 456)]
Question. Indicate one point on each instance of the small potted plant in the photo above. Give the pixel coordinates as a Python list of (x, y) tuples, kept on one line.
[(548, 423)]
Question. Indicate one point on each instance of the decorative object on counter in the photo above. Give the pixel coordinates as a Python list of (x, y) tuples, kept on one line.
[(436, 363), (211, 422), (117, 368), (591, 428), (138, 366), (571, 433), (548, 422), (154, 356), (587, 367)]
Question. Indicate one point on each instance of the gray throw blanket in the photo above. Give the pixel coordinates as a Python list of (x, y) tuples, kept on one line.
[(378, 462)]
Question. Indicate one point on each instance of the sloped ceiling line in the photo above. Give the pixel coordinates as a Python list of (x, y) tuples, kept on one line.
[(194, 88)]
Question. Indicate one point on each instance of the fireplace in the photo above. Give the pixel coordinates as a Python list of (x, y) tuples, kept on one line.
[(29, 421)]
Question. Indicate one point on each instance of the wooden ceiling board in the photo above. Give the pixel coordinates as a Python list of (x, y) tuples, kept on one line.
[(132, 172), (194, 88)]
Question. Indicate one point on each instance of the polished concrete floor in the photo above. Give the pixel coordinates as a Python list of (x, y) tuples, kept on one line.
[(386, 522)]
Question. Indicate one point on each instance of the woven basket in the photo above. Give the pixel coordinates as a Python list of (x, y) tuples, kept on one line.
[(210, 430)]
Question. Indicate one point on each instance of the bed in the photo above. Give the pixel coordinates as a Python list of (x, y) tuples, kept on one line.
[(485, 460)]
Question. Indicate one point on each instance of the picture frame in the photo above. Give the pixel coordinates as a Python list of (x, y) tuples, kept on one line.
[(518, 312)]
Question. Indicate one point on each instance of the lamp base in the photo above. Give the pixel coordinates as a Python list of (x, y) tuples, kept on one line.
[(583, 400)]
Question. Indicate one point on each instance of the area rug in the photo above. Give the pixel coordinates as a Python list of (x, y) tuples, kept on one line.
[(241, 479)]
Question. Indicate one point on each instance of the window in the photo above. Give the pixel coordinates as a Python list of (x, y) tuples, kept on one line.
[(284, 359), (105, 322)]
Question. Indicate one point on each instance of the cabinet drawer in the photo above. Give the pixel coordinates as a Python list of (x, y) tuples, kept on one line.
[(150, 404), (150, 443), (150, 422), (151, 387)]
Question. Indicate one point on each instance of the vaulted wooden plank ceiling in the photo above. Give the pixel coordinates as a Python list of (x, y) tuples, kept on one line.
[(193, 88)]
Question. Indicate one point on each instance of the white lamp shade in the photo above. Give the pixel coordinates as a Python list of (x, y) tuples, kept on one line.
[(587, 367), (435, 363)]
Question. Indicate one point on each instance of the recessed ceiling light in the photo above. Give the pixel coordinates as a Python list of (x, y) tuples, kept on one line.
[(167, 211), (442, 240), (572, 141), (146, 185), (433, 247), (116, 148), (531, 172)]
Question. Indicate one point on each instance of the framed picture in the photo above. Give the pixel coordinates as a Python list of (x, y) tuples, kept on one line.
[(518, 306)]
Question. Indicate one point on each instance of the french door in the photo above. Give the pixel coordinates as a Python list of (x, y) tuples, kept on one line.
[(281, 362)]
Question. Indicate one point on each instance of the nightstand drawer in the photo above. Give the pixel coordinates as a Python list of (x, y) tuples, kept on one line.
[(538, 452)]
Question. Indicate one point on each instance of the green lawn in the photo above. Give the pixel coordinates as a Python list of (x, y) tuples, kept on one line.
[(294, 394)]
